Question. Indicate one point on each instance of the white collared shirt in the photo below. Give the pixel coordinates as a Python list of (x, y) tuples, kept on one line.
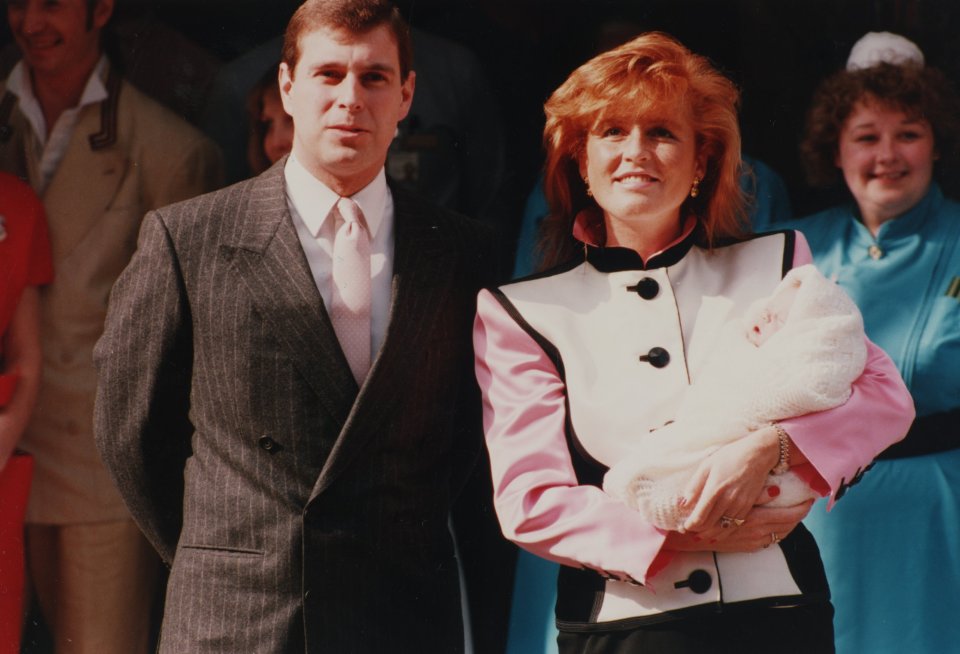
[(50, 151), (310, 202)]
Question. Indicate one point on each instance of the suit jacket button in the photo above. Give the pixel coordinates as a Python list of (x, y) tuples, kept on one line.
[(656, 357), (267, 444), (699, 582)]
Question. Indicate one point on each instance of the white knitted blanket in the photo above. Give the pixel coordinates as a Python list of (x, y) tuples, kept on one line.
[(793, 353)]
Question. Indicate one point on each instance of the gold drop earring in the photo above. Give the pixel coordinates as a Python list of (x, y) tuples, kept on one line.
[(695, 187), (587, 184)]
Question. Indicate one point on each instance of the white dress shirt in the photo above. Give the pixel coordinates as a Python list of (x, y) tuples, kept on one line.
[(50, 151), (310, 202)]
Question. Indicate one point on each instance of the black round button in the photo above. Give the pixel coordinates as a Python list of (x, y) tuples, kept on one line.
[(656, 357), (267, 444), (647, 288), (699, 582)]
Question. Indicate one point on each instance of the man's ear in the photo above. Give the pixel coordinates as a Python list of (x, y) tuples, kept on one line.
[(406, 94), (102, 10), (285, 82)]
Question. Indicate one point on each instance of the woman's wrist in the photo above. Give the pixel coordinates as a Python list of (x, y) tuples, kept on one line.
[(783, 450)]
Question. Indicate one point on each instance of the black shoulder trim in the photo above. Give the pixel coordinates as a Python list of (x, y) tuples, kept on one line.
[(789, 249), (588, 469), (549, 348), (558, 269), (789, 245), (107, 136), (7, 104)]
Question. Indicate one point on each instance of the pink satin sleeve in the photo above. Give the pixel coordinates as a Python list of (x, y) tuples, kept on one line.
[(840, 442), (540, 504)]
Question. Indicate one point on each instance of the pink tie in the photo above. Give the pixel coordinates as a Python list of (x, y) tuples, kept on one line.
[(350, 309)]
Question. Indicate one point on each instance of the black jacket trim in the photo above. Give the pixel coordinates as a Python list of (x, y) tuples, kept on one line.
[(931, 434), (589, 471), (107, 136)]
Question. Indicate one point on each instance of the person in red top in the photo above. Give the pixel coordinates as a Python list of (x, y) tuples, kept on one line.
[(24, 265)]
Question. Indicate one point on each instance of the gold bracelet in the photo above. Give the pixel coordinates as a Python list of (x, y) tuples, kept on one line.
[(783, 462)]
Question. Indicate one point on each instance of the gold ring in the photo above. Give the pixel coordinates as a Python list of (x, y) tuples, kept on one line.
[(726, 522), (774, 539)]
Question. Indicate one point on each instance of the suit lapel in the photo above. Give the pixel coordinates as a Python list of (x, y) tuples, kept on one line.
[(422, 254), (83, 187), (266, 254)]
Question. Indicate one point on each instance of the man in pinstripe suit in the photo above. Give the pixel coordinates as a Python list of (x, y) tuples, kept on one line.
[(298, 509)]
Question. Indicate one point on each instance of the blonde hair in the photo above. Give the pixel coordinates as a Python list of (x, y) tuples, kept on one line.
[(651, 73)]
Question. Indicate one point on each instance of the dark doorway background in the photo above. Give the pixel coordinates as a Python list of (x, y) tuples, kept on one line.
[(776, 52)]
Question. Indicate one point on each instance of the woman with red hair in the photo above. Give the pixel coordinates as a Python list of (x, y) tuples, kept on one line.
[(583, 360)]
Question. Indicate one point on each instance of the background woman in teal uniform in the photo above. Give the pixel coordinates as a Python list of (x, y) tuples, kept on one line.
[(892, 549)]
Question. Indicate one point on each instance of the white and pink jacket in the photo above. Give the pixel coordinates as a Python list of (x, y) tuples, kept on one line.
[(577, 364)]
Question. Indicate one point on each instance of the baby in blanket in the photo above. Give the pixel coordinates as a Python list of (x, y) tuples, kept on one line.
[(795, 352)]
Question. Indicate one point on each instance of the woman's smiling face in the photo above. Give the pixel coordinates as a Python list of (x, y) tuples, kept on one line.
[(886, 156), (640, 169)]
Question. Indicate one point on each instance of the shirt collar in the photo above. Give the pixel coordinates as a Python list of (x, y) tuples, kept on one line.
[(314, 200), (589, 229), (20, 85), (912, 221)]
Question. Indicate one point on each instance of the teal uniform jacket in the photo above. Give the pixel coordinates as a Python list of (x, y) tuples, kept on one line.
[(906, 282), (891, 549)]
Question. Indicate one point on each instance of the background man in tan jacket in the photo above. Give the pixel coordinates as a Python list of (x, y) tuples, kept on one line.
[(100, 154)]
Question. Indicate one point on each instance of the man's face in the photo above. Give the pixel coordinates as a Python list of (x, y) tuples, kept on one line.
[(346, 98), (56, 35)]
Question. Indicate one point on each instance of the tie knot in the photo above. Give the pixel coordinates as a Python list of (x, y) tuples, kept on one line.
[(350, 212)]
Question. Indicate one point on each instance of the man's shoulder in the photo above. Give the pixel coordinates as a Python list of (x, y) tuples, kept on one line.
[(228, 200), (412, 208)]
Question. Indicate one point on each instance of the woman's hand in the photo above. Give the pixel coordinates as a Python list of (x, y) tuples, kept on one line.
[(730, 481), (762, 527)]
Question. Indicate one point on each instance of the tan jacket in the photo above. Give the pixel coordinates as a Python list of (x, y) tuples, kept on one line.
[(127, 155)]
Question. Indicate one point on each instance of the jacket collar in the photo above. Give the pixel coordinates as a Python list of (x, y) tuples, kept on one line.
[(589, 229), (913, 221), (107, 93)]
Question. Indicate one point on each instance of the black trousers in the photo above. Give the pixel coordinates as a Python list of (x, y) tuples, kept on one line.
[(796, 630)]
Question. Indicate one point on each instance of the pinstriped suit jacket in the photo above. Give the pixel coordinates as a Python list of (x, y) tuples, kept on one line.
[(297, 512)]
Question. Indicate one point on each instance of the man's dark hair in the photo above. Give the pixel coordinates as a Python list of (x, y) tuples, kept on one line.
[(354, 16)]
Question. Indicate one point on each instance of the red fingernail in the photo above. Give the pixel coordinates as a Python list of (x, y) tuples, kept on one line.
[(682, 501), (773, 491)]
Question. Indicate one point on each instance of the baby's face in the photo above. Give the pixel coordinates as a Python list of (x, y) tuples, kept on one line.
[(773, 316)]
